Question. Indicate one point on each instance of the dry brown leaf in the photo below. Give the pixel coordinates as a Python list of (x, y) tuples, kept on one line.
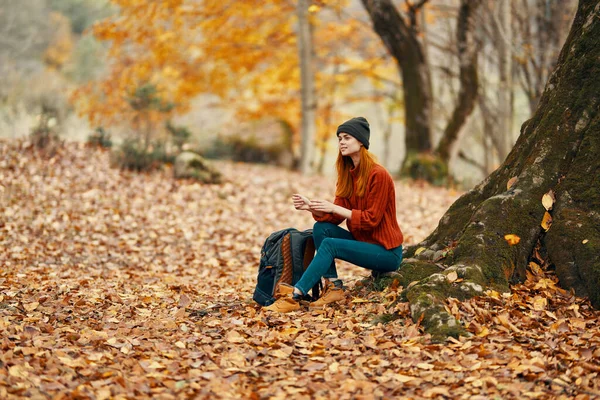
[(235, 337), (425, 366), (540, 303), (31, 306), (184, 301)]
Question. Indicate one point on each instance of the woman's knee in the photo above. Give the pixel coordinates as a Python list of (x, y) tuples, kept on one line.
[(319, 228)]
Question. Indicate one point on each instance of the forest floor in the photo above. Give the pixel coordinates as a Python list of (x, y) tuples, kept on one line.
[(122, 285)]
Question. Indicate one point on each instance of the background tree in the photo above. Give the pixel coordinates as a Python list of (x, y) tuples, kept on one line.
[(541, 27), (404, 39), (538, 29), (503, 37), (401, 37), (307, 84), (545, 194), (468, 78)]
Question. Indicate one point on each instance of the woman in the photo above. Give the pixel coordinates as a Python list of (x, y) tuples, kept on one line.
[(365, 197)]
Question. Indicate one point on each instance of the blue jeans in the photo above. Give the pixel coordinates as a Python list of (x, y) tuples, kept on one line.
[(333, 242)]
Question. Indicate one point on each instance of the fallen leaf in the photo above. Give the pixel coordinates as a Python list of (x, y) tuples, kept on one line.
[(20, 371), (511, 182), (536, 269), (31, 306), (512, 239), (402, 378), (426, 366), (546, 221), (235, 337), (483, 332), (280, 353), (436, 391), (334, 367), (155, 365), (540, 303), (314, 366), (184, 301), (548, 200)]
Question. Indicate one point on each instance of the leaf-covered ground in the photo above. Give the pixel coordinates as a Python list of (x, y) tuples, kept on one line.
[(121, 285)]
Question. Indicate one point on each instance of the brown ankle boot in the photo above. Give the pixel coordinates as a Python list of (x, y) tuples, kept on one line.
[(284, 305), (284, 289), (286, 301), (331, 294)]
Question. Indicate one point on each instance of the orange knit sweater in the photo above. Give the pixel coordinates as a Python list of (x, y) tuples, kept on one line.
[(373, 215)]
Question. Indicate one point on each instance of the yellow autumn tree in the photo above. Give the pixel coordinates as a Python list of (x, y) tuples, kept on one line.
[(153, 54)]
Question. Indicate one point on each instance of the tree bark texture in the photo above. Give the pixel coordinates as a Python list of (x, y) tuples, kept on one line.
[(403, 44), (557, 150), (469, 82)]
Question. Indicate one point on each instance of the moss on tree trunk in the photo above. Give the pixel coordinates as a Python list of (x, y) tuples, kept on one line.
[(557, 150)]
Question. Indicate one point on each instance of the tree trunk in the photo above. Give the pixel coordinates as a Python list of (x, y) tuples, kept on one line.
[(403, 44), (541, 29), (469, 82), (309, 101), (557, 150), (504, 39)]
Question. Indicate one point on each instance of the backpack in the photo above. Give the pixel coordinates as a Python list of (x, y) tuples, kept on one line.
[(284, 257)]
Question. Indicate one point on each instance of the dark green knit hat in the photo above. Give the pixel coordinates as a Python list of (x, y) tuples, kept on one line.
[(358, 128)]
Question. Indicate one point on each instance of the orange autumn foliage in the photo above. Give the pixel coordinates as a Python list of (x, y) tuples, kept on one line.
[(245, 53)]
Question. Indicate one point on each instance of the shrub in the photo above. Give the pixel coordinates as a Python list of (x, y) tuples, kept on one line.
[(100, 138), (179, 135), (245, 150), (132, 155), (44, 135), (426, 167)]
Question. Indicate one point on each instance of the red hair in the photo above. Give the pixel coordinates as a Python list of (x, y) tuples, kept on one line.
[(344, 164)]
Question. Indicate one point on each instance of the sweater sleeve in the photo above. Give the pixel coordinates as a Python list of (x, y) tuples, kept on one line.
[(377, 197), (333, 218)]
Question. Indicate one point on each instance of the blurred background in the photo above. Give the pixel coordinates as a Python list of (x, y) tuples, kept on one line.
[(445, 84)]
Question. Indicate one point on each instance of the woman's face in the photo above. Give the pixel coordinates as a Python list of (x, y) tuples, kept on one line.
[(348, 144)]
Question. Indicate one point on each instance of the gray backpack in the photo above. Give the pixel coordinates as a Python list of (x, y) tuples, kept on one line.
[(284, 257)]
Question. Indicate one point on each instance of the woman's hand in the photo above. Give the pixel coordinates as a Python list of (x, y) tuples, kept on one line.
[(322, 206), (301, 202)]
